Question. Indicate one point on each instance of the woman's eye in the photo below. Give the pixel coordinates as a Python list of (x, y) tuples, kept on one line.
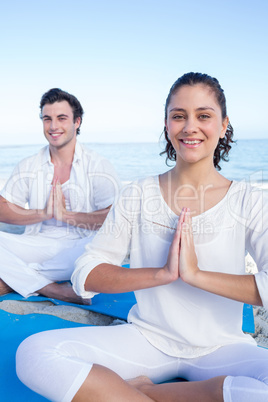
[(204, 116), (178, 117)]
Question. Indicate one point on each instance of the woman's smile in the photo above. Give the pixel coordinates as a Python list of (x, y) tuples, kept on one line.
[(191, 143)]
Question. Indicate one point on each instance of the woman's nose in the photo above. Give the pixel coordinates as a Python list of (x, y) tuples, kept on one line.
[(190, 126)]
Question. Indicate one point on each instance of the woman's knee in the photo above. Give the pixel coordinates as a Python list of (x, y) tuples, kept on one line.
[(30, 356)]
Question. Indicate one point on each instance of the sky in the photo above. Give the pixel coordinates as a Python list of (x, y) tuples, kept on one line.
[(120, 58)]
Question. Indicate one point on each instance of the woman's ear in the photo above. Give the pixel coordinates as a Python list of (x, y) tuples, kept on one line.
[(224, 126), (166, 127)]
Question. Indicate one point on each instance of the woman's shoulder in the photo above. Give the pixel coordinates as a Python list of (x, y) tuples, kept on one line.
[(245, 199), (147, 185), (244, 189), (135, 193)]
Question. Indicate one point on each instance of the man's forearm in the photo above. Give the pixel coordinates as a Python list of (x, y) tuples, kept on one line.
[(11, 213), (86, 220)]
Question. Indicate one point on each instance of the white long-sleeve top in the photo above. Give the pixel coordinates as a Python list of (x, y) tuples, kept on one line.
[(177, 318)]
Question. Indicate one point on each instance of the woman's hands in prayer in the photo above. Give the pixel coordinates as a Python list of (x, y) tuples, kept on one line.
[(182, 260), (188, 264)]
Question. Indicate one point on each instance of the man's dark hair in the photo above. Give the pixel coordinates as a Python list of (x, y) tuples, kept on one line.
[(57, 95)]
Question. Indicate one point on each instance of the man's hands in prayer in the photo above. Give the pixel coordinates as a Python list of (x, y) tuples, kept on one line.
[(56, 207)]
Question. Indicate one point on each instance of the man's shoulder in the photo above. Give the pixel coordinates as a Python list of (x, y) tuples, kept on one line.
[(93, 163), (89, 155), (86, 150), (37, 158)]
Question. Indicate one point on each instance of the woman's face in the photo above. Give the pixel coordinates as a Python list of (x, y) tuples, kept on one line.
[(194, 123)]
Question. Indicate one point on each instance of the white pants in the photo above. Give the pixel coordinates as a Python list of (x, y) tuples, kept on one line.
[(56, 363), (29, 263)]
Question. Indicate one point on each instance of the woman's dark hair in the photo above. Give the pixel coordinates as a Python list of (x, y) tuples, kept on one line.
[(57, 95), (222, 150)]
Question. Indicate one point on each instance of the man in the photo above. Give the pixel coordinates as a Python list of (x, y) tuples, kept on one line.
[(69, 191)]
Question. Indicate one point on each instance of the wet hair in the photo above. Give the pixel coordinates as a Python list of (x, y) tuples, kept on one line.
[(224, 145), (57, 95)]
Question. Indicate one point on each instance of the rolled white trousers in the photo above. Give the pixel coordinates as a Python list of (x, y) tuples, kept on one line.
[(56, 363), (30, 262)]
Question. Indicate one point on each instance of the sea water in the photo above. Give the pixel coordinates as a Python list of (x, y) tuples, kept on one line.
[(248, 159)]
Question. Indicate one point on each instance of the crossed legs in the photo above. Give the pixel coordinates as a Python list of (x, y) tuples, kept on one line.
[(142, 389), (33, 264), (96, 363)]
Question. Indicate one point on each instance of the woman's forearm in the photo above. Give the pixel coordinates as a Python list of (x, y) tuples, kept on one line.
[(107, 278), (242, 288)]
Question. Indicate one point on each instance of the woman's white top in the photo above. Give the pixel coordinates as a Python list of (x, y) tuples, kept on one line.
[(177, 318)]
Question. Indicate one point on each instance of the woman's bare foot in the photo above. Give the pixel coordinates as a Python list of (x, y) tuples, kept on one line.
[(140, 382), (64, 292), (4, 288)]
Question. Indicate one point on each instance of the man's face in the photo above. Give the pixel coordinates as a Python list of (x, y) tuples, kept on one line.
[(59, 126)]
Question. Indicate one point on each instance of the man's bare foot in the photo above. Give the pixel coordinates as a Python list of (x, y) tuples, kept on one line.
[(64, 292), (4, 288)]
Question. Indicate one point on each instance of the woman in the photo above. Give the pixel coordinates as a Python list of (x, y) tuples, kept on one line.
[(187, 231)]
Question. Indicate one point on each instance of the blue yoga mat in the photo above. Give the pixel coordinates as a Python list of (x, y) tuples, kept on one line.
[(15, 328), (117, 305)]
